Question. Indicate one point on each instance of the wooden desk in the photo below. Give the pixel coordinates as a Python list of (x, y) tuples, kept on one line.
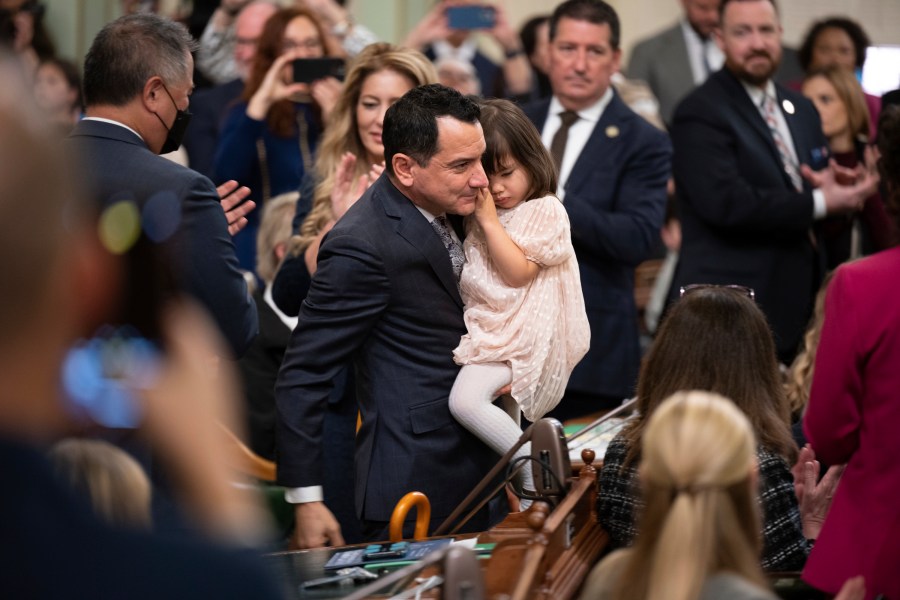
[(540, 554)]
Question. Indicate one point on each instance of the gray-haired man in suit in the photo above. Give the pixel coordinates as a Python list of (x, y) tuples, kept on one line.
[(137, 82)]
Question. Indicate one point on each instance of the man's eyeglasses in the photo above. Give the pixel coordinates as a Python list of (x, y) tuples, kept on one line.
[(687, 289)]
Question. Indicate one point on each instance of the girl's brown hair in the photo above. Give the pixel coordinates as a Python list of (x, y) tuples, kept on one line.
[(509, 134)]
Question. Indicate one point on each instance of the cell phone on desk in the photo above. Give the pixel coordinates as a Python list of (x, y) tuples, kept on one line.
[(473, 16), (386, 551), (307, 70)]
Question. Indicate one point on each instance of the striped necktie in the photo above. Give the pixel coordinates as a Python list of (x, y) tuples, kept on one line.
[(790, 166)]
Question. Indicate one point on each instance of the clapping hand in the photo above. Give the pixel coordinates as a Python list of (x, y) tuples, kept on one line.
[(845, 189), (236, 210), (346, 190), (814, 496)]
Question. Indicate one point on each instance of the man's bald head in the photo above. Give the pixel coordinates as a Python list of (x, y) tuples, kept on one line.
[(247, 29)]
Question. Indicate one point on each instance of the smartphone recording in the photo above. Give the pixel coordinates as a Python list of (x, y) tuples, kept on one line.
[(307, 70), (475, 16)]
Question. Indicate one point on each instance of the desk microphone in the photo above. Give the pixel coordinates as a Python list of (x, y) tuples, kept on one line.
[(551, 466)]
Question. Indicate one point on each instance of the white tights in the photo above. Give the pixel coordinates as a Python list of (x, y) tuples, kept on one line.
[(471, 403)]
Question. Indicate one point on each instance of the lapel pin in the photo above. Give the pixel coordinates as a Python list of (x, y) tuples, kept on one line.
[(612, 131), (788, 106)]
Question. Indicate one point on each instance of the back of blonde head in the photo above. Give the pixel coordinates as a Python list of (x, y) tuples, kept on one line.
[(110, 479), (700, 517)]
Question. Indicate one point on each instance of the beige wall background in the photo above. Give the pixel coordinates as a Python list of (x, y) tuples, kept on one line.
[(74, 23)]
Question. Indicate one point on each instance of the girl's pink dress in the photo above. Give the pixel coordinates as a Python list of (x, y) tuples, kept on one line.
[(541, 329)]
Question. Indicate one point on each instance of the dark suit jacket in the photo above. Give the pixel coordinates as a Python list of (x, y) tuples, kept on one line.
[(742, 221), (54, 547), (383, 296), (209, 108), (616, 198), (117, 164)]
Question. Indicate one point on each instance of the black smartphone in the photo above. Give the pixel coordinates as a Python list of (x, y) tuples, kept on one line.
[(474, 16), (307, 70)]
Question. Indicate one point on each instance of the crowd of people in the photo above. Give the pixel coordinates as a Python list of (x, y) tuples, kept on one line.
[(370, 260)]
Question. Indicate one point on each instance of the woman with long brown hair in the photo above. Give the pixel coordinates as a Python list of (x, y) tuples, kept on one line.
[(715, 338), (269, 138)]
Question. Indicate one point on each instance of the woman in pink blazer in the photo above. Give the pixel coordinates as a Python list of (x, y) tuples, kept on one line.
[(853, 415)]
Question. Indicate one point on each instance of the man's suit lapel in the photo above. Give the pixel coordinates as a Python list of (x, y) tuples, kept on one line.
[(596, 152), (750, 114), (412, 226)]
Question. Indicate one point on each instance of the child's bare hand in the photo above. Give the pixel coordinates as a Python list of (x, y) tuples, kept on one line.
[(485, 209)]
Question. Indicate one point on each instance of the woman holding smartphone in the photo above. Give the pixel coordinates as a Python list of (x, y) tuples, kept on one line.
[(269, 138)]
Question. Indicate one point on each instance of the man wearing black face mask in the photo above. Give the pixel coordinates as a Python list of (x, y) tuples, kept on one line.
[(137, 83), (177, 129)]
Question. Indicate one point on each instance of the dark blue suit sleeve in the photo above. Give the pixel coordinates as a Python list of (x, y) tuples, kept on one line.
[(212, 272), (349, 293), (626, 229)]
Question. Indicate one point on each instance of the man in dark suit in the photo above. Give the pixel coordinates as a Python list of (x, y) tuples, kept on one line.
[(137, 79), (745, 150), (385, 297), (613, 170)]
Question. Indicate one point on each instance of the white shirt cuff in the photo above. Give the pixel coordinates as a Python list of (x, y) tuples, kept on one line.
[(302, 495), (819, 209)]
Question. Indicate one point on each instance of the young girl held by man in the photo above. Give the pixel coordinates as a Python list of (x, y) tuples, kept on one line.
[(524, 308)]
